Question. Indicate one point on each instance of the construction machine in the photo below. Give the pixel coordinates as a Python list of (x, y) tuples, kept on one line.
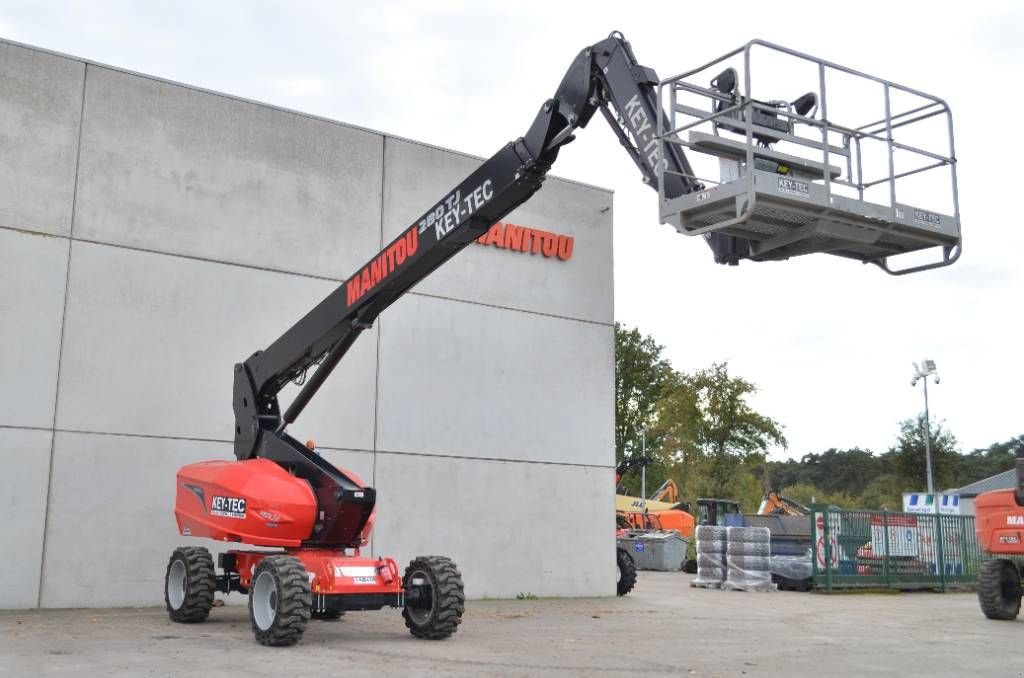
[(999, 521), (774, 504), (661, 511), (768, 205)]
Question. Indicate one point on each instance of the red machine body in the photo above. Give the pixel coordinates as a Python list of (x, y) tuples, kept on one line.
[(1000, 523), (331, 572), (255, 501)]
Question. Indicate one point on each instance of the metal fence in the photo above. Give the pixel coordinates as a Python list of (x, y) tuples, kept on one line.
[(892, 550)]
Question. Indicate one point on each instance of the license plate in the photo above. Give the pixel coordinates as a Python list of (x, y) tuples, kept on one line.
[(364, 580)]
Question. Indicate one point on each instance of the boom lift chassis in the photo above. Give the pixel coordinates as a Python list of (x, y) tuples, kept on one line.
[(281, 494)]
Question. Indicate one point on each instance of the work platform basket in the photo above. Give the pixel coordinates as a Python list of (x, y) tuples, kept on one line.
[(848, 164)]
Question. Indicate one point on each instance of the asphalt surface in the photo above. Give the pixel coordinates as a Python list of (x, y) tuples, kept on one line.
[(664, 627)]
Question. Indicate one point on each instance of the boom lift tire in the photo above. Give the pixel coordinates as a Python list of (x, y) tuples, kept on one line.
[(627, 572), (434, 597), (279, 600), (189, 585), (999, 590)]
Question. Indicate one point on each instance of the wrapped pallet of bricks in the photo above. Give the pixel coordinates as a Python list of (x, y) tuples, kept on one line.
[(711, 544), (748, 559)]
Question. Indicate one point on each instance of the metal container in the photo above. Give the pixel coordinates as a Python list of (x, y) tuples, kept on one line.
[(663, 550)]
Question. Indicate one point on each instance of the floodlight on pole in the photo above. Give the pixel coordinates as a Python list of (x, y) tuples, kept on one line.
[(921, 372)]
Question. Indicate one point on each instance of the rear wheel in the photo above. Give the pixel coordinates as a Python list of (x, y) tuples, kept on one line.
[(999, 589), (626, 568), (279, 601), (434, 597), (189, 585)]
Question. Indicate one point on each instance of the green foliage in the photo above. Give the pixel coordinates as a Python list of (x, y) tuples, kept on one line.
[(702, 433), (808, 494), (712, 441), (908, 455), (641, 379)]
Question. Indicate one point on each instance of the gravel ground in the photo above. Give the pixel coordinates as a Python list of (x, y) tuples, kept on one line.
[(664, 627)]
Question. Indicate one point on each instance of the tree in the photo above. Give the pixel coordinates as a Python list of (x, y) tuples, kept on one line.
[(641, 378), (988, 461), (908, 455), (707, 427)]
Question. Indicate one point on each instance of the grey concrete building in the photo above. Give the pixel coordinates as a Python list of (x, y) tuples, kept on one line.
[(153, 234)]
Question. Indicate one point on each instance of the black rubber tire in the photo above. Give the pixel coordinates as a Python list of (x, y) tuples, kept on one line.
[(627, 572), (200, 584), (447, 594), (327, 615), (746, 548), (749, 535), (711, 546), (999, 590), (710, 533), (751, 563), (292, 601), (706, 560)]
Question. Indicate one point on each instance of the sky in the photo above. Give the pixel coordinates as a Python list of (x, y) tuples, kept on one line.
[(829, 342)]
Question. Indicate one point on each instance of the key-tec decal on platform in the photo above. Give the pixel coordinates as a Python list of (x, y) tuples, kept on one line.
[(228, 507), (525, 239)]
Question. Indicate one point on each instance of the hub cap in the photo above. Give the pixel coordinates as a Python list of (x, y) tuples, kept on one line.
[(176, 583), (264, 601), (423, 608)]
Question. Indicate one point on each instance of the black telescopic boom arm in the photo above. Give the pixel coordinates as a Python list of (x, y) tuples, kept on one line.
[(603, 77)]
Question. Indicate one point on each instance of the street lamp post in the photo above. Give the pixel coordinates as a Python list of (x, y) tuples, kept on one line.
[(643, 476), (921, 372)]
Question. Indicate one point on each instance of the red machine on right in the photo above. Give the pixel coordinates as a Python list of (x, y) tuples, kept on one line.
[(1000, 525)]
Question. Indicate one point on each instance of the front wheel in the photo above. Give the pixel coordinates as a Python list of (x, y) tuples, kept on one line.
[(279, 601), (434, 597), (626, 572), (999, 590), (189, 585)]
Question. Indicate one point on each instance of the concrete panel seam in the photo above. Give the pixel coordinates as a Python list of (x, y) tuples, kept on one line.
[(60, 344), (53, 432), (516, 310), (78, 155), (31, 231), (504, 460), (274, 107), (376, 384), (339, 281), (209, 260), (16, 427), (374, 452)]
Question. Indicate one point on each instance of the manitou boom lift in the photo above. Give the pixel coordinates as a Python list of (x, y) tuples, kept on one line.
[(279, 493), (999, 522)]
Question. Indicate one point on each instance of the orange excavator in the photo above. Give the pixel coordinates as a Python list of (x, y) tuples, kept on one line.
[(774, 504)]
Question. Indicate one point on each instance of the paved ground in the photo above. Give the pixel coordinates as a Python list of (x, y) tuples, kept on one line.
[(664, 627)]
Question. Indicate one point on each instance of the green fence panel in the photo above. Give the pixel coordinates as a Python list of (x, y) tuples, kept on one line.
[(892, 549)]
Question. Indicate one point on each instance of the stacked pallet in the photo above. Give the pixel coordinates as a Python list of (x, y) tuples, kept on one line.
[(711, 565), (748, 559)]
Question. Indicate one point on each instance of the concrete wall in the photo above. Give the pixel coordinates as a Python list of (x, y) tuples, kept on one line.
[(152, 235)]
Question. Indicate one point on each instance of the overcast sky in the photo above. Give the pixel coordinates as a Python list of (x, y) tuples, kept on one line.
[(829, 342)]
